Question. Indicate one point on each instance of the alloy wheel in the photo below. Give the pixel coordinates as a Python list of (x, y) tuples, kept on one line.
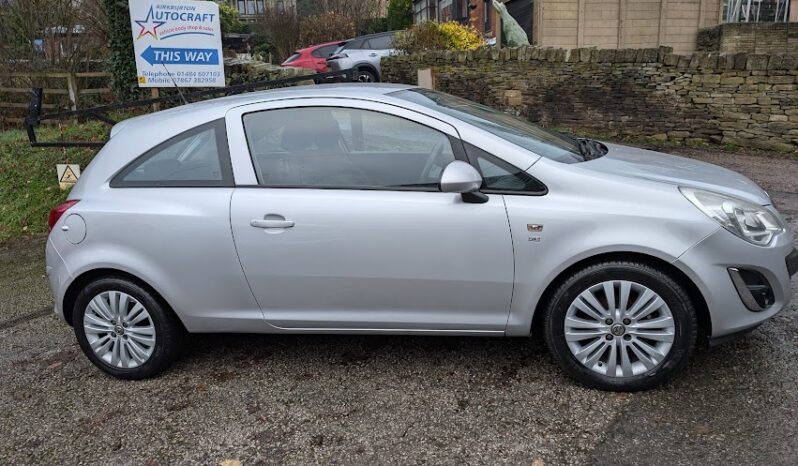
[(619, 328), (119, 329)]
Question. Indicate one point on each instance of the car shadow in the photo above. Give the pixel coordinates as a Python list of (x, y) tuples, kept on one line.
[(491, 357)]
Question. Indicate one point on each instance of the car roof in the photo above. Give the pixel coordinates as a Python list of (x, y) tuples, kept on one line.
[(191, 115), (314, 47), (369, 36)]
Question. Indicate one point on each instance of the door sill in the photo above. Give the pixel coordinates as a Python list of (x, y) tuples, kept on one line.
[(392, 331)]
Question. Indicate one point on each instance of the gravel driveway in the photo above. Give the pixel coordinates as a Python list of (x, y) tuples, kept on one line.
[(396, 400)]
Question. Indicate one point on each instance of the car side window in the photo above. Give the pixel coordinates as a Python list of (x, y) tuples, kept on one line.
[(380, 43), (197, 157), (501, 177), (346, 148), (324, 52), (353, 45)]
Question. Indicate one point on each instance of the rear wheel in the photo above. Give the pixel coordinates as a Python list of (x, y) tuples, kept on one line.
[(125, 330), (365, 76), (622, 326)]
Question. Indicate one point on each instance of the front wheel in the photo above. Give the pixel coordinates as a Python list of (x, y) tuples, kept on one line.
[(124, 329), (622, 326)]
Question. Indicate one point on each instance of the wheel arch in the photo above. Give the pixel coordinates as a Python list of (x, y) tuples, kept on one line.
[(82, 280), (697, 298), (368, 67)]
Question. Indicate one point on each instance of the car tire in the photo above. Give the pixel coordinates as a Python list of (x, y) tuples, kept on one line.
[(136, 336), (366, 76), (625, 328)]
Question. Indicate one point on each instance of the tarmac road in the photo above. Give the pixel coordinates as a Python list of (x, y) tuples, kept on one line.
[(392, 400)]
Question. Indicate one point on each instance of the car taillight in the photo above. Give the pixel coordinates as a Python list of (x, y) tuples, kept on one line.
[(57, 212)]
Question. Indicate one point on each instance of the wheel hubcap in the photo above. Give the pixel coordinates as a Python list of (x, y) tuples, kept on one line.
[(119, 329), (619, 328)]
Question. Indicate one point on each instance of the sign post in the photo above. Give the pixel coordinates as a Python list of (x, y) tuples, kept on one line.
[(177, 43)]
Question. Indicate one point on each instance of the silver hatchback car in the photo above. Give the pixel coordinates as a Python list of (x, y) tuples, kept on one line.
[(384, 209)]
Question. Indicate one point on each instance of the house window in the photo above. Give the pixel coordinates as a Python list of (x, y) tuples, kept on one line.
[(252, 7), (488, 15), (445, 10), (424, 10)]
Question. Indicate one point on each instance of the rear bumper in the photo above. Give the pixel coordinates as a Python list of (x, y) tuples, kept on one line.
[(708, 263), (339, 64), (58, 276)]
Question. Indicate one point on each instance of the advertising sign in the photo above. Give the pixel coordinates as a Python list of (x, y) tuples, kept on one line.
[(177, 43)]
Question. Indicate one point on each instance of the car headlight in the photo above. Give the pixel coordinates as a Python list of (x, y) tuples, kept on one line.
[(747, 220)]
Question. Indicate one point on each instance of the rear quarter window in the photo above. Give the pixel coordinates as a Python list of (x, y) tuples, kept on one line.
[(195, 158)]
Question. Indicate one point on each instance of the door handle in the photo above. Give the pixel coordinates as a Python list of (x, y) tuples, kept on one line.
[(372, 54), (262, 223)]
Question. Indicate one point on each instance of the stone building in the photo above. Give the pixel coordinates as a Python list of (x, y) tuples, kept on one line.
[(609, 23), (249, 9)]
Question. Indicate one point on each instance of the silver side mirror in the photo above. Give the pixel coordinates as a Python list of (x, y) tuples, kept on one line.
[(460, 177)]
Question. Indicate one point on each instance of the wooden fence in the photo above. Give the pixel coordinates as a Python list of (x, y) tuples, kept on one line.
[(62, 91)]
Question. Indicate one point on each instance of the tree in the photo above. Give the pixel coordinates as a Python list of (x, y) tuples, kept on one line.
[(122, 62), (364, 13), (325, 27), (55, 34), (400, 14), (280, 28)]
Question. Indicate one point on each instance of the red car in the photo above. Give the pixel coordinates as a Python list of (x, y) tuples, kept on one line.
[(313, 57)]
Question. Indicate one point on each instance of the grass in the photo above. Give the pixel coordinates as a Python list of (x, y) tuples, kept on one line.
[(28, 180)]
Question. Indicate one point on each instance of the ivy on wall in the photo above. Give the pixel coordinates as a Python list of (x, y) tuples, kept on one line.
[(122, 62)]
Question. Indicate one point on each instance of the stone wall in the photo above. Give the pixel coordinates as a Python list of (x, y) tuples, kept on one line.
[(750, 38), (742, 99)]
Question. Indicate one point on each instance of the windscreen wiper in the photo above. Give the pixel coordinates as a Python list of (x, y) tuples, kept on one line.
[(591, 149)]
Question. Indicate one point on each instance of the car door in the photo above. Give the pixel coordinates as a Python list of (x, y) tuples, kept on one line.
[(343, 225), (379, 47)]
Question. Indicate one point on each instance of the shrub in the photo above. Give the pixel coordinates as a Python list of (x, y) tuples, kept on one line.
[(439, 36), (229, 19)]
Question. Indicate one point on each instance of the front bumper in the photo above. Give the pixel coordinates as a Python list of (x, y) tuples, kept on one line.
[(708, 263), (792, 263)]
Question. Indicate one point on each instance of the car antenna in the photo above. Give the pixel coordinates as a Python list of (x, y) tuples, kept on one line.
[(182, 97)]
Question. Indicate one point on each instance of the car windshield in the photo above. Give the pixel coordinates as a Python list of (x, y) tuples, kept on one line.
[(545, 143)]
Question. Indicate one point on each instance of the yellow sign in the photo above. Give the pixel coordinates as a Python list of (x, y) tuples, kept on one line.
[(142, 80), (68, 175)]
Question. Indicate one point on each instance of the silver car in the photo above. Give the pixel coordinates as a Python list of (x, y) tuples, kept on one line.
[(363, 54), (385, 209)]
